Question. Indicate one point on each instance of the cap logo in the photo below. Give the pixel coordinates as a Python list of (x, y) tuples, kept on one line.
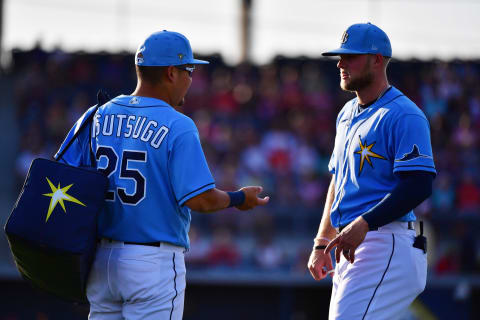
[(344, 37), (139, 58), (180, 56)]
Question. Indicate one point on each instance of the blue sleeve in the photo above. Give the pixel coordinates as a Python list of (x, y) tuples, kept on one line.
[(412, 189), (78, 153), (412, 147), (188, 168)]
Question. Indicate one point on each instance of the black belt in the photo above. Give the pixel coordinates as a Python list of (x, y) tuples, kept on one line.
[(151, 244), (411, 226)]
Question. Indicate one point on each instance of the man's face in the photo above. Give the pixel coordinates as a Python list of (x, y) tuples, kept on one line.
[(356, 71)]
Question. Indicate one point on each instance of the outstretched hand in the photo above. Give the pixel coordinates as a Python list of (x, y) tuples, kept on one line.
[(349, 240), (252, 199)]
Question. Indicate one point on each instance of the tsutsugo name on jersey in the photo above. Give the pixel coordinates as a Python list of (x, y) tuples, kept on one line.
[(130, 126)]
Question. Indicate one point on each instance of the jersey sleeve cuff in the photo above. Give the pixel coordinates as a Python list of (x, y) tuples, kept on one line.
[(195, 192), (415, 168)]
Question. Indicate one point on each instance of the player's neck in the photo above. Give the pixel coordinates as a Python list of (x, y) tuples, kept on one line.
[(373, 92), (143, 90)]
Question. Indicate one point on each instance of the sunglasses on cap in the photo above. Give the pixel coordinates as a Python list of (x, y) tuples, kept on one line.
[(186, 68)]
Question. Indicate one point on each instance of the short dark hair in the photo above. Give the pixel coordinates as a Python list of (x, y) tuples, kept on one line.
[(150, 74)]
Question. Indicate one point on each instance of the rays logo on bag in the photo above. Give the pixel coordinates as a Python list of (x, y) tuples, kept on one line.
[(57, 196)]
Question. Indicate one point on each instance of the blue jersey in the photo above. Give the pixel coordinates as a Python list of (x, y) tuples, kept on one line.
[(391, 135), (154, 161)]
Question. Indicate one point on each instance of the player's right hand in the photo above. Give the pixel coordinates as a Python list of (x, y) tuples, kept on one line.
[(319, 264), (252, 199)]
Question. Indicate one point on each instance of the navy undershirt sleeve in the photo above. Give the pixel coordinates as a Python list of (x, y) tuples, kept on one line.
[(413, 188)]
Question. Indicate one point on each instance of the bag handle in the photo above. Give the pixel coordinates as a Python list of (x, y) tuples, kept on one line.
[(102, 98)]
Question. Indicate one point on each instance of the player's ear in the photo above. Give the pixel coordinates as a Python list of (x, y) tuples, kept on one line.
[(171, 73), (378, 60)]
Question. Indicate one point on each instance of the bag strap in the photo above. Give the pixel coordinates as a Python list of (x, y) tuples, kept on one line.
[(102, 98)]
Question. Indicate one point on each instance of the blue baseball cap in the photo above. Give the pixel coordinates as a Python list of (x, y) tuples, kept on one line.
[(165, 48), (363, 38)]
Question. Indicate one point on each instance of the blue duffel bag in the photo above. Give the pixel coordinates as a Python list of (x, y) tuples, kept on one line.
[(52, 229)]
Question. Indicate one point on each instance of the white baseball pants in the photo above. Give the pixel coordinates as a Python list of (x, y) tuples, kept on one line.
[(136, 282), (387, 275)]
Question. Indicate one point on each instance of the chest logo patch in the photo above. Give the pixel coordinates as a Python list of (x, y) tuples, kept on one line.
[(366, 153)]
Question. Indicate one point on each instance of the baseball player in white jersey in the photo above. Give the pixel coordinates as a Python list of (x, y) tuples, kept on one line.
[(382, 168), (157, 173)]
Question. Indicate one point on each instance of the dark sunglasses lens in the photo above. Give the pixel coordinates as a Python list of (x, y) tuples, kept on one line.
[(188, 69)]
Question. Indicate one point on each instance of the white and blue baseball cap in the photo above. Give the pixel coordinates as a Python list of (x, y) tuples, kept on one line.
[(363, 38), (165, 48)]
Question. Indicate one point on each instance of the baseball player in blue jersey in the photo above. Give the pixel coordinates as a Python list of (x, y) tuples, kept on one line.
[(157, 173), (382, 168)]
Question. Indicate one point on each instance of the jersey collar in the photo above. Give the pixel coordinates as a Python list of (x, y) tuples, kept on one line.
[(138, 101), (389, 95)]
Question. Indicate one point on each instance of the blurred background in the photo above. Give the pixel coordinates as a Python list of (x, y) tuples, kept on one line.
[(265, 108)]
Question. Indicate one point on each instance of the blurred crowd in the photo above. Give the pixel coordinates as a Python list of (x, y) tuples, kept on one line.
[(274, 125)]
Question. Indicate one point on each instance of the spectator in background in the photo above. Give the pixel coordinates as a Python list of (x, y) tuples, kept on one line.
[(223, 251), (468, 196), (464, 135), (267, 253), (221, 98), (460, 254), (197, 256), (448, 263), (248, 101), (32, 146), (443, 195)]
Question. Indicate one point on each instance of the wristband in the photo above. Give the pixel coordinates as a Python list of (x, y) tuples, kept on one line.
[(322, 238), (237, 198), (319, 247)]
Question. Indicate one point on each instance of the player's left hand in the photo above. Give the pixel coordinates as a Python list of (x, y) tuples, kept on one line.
[(349, 239), (252, 199)]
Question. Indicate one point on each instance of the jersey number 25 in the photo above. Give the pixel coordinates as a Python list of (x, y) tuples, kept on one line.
[(125, 173)]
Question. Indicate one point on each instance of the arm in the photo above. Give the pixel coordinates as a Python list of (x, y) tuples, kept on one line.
[(325, 230), (413, 188), (318, 258), (192, 181), (215, 199)]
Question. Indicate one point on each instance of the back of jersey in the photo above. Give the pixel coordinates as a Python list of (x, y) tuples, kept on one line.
[(154, 161)]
